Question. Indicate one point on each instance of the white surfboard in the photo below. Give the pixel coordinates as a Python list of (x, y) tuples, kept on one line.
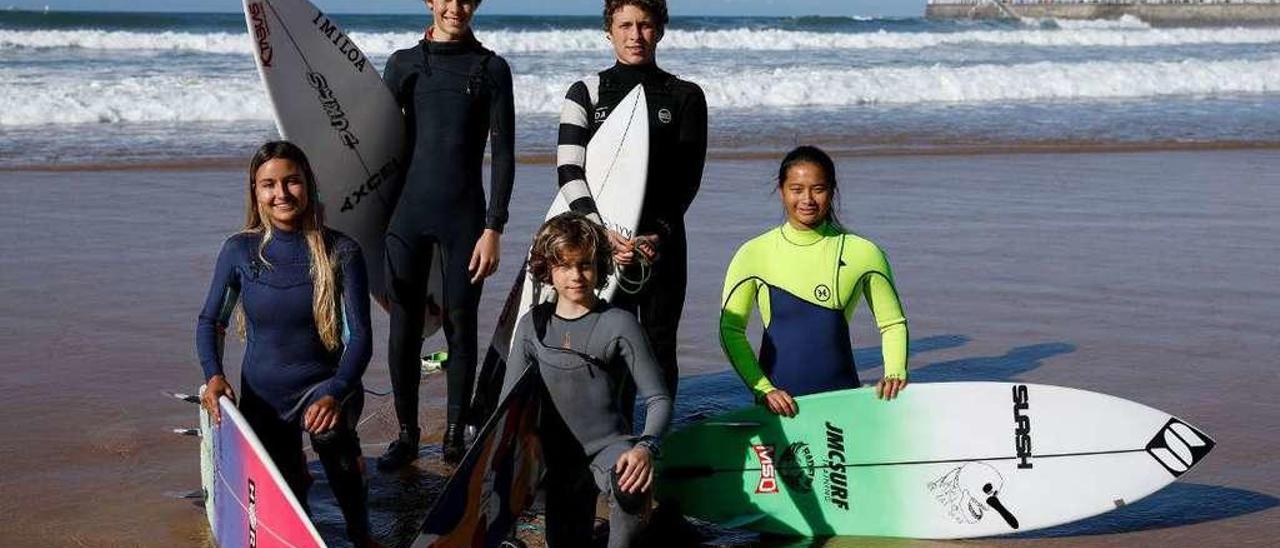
[(944, 460), (329, 100), (617, 169)]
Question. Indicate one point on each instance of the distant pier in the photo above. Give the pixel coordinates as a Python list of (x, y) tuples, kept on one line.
[(1155, 12)]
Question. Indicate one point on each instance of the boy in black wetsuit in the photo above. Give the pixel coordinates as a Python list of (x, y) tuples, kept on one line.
[(456, 95), (585, 352), (677, 152)]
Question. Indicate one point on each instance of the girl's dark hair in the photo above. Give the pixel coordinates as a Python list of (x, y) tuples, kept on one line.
[(808, 154), (566, 232), (655, 8)]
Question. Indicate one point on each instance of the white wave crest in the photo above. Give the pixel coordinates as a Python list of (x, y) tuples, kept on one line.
[(130, 99), (169, 98), (991, 83), (506, 41)]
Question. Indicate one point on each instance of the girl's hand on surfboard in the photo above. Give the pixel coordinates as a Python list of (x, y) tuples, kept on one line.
[(781, 403), (635, 470), (888, 387), (216, 387), (321, 415), (484, 259)]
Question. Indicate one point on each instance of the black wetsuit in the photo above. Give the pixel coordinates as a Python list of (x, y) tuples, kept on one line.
[(456, 96), (677, 152), (286, 367)]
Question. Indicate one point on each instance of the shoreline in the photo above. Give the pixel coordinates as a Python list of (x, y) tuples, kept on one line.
[(730, 155)]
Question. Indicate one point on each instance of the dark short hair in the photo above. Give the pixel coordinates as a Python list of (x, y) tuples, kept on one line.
[(566, 232), (655, 8)]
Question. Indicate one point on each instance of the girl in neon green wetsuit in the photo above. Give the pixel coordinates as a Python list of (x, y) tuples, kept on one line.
[(807, 277)]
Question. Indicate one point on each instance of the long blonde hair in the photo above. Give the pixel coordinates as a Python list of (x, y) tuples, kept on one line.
[(324, 301)]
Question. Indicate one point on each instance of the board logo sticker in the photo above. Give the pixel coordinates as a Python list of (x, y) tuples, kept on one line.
[(664, 116), (768, 474), (261, 32), (345, 47), (795, 466), (389, 171), (253, 513), (1178, 447), (333, 109), (966, 492), (1022, 426), (836, 488), (822, 293)]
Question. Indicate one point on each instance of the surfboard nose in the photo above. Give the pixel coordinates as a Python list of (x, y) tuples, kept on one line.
[(1178, 447)]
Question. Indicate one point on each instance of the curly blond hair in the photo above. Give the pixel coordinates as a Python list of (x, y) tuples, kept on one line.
[(567, 232)]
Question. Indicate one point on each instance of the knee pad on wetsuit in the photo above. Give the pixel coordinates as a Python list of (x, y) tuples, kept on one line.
[(631, 503)]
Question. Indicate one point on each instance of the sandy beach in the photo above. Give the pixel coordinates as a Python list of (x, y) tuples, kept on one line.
[(1149, 275)]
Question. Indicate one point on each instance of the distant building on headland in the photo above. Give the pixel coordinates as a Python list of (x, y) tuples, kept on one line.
[(1155, 12)]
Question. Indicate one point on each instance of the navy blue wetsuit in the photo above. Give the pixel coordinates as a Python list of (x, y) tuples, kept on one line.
[(286, 366), (456, 96)]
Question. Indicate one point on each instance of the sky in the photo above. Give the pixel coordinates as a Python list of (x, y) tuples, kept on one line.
[(535, 7)]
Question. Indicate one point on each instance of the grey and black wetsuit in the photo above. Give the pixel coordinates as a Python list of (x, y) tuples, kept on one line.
[(677, 152), (456, 96), (585, 365), (286, 366)]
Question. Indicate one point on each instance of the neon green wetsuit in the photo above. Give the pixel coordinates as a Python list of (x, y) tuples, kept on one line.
[(814, 279)]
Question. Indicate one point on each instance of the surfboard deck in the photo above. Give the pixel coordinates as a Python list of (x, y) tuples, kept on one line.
[(247, 501), (496, 480), (944, 460), (617, 167), (329, 99)]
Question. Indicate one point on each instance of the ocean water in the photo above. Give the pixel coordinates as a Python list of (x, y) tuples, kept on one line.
[(93, 88)]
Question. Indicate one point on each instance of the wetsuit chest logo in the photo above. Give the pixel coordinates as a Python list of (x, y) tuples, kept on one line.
[(601, 114), (822, 293), (664, 115)]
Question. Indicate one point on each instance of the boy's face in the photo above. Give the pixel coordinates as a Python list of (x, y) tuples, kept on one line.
[(452, 17), (574, 277), (635, 35)]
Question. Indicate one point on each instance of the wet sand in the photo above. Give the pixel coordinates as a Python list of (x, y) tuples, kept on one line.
[(1148, 275)]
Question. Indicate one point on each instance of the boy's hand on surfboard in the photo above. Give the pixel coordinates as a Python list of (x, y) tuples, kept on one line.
[(647, 245), (888, 387), (484, 259), (624, 252), (322, 415), (781, 403), (216, 387), (635, 470)]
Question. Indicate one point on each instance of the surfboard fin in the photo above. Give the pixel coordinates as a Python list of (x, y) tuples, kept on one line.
[(189, 398), (197, 494), (743, 521)]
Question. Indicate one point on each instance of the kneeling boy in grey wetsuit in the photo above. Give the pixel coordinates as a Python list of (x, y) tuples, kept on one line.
[(584, 350)]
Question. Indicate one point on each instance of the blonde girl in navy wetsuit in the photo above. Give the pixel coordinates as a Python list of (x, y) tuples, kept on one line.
[(301, 298)]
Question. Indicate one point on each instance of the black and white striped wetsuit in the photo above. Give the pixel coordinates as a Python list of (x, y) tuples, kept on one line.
[(677, 152)]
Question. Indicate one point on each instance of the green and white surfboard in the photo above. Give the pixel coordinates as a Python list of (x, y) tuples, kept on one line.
[(944, 460)]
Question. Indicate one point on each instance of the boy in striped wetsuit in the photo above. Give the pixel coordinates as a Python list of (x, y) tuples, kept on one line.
[(677, 152)]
